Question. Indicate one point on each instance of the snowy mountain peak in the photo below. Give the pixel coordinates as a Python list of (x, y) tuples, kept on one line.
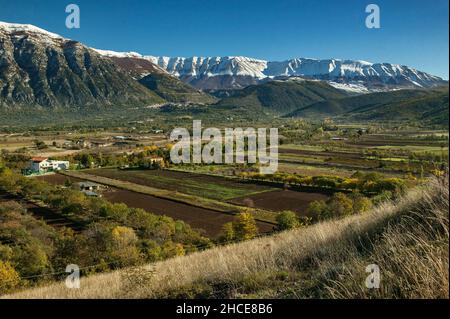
[(16, 28), (212, 66)]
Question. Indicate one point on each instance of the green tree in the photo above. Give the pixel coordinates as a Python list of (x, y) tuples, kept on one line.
[(31, 259), (66, 249), (317, 209), (150, 249), (40, 145), (86, 160), (287, 220)]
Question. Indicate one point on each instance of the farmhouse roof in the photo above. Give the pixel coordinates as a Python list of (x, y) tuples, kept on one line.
[(88, 184), (38, 159), (90, 193)]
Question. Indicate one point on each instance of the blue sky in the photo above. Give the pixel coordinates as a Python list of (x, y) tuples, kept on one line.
[(413, 32)]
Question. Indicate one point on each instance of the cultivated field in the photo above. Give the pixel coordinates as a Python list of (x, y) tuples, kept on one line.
[(189, 183), (207, 221), (280, 200), (390, 153)]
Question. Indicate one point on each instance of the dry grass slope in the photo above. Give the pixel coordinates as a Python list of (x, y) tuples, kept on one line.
[(408, 239)]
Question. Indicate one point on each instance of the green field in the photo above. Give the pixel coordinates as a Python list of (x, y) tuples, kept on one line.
[(414, 148), (303, 147), (206, 186)]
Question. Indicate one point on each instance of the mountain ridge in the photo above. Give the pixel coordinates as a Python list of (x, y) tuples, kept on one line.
[(247, 71), (42, 69), (280, 97), (427, 106), (234, 72)]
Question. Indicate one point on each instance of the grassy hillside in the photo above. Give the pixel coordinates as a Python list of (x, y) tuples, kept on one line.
[(430, 106), (174, 90), (408, 239), (281, 96)]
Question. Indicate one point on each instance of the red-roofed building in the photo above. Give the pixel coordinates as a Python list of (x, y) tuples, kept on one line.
[(39, 159)]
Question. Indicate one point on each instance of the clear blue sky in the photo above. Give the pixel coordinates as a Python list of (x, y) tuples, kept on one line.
[(413, 32)]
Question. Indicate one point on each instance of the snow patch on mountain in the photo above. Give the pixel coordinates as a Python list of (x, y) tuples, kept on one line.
[(114, 54), (17, 28), (212, 66), (356, 87)]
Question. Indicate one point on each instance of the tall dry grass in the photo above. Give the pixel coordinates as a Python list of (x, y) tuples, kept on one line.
[(412, 252), (408, 239)]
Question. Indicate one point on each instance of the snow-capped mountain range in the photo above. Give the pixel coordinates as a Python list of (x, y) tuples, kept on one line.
[(238, 71), (234, 72)]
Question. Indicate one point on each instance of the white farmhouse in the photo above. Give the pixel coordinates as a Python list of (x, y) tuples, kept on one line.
[(43, 164)]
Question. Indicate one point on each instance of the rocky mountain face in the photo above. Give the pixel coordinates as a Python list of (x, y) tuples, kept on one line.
[(133, 63), (39, 68), (155, 78)]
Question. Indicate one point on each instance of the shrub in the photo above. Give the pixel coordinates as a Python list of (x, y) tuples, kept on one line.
[(317, 208), (361, 203), (338, 205), (150, 250), (287, 220), (326, 181), (170, 249)]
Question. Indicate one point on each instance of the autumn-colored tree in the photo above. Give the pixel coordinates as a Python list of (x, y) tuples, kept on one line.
[(170, 249), (9, 277), (361, 203), (339, 205), (228, 234), (245, 226), (124, 250)]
